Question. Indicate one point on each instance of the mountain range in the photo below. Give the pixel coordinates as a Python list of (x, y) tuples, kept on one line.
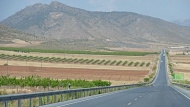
[(182, 22), (68, 26)]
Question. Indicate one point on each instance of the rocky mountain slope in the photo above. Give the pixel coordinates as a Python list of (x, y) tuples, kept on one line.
[(12, 37), (111, 29), (182, 22)]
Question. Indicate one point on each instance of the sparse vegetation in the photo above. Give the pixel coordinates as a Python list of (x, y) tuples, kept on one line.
[(170, 67)]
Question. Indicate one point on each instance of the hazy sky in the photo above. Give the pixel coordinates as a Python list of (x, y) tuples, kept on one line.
[(168, 10)]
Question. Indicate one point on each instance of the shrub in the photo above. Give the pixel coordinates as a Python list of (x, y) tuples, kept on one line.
[(101, 62), (136, 64), (130, 63), (119, 63), (90, 61), (113, 62), (5, 64), (142, 64), (78, 60), (146, 79), (72, 60), (124, 63), (95, 62), (148, 64), (107, 62), (84, 61)]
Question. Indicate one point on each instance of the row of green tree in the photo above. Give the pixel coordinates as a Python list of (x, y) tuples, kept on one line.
[(35, 81), (77, 52), (68, 60)]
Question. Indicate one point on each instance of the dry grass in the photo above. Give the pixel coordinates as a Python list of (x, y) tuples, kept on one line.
[(21, 43), (181, 63)]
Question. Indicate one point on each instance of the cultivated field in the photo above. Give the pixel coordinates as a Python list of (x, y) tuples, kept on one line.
[(114, 68), (180, 63)]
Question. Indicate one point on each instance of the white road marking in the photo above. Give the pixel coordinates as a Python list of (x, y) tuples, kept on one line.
[(136, 99), (140, 96), (129, 104), (181, 93)]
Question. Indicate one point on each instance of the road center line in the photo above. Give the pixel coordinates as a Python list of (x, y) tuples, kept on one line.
[(95, 97), (129, 103), (136, 99)]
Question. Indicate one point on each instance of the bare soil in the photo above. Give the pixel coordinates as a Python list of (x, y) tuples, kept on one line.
[(181, 63), (182, 70), (74, 73)]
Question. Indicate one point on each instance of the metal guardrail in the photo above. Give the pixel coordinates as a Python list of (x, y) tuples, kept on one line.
[(43, 98), (182, 85)]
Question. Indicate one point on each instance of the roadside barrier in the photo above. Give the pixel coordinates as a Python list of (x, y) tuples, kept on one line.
[(43, 98)]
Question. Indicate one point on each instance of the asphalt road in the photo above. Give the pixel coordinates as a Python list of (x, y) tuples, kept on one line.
[(159, 94)]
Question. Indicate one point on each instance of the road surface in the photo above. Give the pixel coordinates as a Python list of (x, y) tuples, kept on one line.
[(159, 94)]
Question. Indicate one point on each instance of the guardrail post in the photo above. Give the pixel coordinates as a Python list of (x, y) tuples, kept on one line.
[(30, 102), (61, 97), (67, 96), (72, 95), (55, 98), (19, 103), (48, 99), (77, 95), (80, 94), (40, 101), (6, 103)]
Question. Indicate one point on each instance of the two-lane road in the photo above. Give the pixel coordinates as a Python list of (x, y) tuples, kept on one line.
[(160, 94)]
